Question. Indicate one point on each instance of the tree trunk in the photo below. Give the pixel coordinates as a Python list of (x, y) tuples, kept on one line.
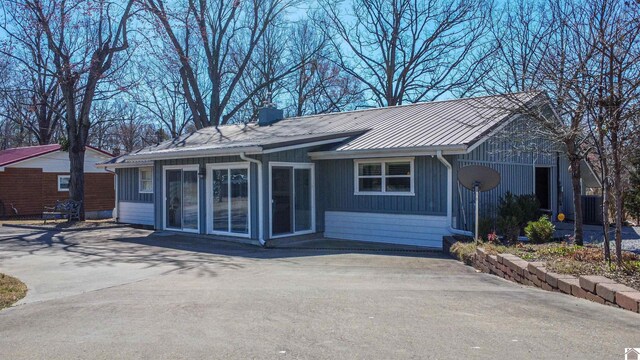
[(605, 218), (618, 193), (577, 199), (76, 180)]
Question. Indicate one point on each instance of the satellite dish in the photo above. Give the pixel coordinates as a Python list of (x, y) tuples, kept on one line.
[(481, 176), (478, 179)]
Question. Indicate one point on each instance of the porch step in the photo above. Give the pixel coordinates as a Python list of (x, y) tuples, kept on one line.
[(349, 245)]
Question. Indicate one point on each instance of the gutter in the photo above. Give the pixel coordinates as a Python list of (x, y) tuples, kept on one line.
[(163, 155), (244, 157), (124, 165), (387, 152), (450, 197)]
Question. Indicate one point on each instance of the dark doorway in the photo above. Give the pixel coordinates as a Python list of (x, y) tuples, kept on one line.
[(282, 191), (543, 187)]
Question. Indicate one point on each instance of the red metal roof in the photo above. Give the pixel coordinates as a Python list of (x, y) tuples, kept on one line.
[(14, 155), (10, 156)]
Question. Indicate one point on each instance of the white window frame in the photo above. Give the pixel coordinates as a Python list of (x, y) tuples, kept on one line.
[(59, 178), (164, 196), (293, 165), (140, 170), (383, 162), (209, 193)]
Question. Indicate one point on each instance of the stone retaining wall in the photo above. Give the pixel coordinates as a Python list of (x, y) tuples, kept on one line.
[(595, 288)]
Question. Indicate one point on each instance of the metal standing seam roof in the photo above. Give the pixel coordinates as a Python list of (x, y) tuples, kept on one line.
[(446, 123)]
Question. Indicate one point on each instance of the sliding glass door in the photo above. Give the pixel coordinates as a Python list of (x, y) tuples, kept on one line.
[(228, 197), (181, 199), (292, 210)]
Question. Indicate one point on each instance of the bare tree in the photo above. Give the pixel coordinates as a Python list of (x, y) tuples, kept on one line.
[(84, 39), (30, 91), (616, 103), (158, 90), (410, 50), (271, 58), (319, 85), (119, 127), (541, 46), (215, 43), (522, 35)]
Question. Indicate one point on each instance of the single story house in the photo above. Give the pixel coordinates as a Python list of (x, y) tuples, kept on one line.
[(36, 176), (383, 175)]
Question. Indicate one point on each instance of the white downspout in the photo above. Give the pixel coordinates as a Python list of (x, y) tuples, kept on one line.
[(116, 209), (244, 157), (450, 197)]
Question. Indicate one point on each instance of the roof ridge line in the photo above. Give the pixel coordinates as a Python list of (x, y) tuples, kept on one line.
[(388, 107)]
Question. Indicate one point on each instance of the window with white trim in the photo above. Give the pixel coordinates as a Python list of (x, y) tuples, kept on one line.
[(63, 182), (384, 177), (145, 180)]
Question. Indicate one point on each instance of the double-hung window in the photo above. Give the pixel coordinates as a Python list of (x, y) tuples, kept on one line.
[(384, 177), (145, 180)]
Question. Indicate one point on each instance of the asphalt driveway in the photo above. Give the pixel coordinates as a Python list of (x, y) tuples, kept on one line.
[(127, 293)]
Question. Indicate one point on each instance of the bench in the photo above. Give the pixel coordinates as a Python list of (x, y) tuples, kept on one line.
[(69, 209)]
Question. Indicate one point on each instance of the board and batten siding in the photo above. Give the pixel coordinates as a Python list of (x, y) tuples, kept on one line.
[(566, 189), (418, 230), (133, 207), (430, 186), (158, 191), (515, 154), (128, 186), (418, 219)]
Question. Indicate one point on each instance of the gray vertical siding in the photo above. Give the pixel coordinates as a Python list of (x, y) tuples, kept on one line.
[(566, 188), (299, 155), (516, 162), (334, 182), (158, 183), (128, 186), (430, 185)]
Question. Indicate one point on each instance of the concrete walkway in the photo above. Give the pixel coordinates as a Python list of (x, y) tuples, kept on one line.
[(593, 234), (126, 293)]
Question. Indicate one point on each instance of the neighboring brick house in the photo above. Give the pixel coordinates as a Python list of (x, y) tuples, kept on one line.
[(36, 176)]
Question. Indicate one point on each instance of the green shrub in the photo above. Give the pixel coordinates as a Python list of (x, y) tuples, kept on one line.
[(529, 208), (540, 231), (509, 228), (514, 212)]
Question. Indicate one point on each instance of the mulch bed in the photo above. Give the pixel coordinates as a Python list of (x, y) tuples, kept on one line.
[(575, 260)]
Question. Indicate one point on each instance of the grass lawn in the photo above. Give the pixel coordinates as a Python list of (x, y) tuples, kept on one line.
[(11, 290), (566, 259)]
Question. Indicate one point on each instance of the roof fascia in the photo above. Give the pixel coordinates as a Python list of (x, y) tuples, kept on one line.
[(125, 165), (195, 153)]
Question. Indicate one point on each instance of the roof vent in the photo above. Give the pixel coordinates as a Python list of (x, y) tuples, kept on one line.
[(269, 114)]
